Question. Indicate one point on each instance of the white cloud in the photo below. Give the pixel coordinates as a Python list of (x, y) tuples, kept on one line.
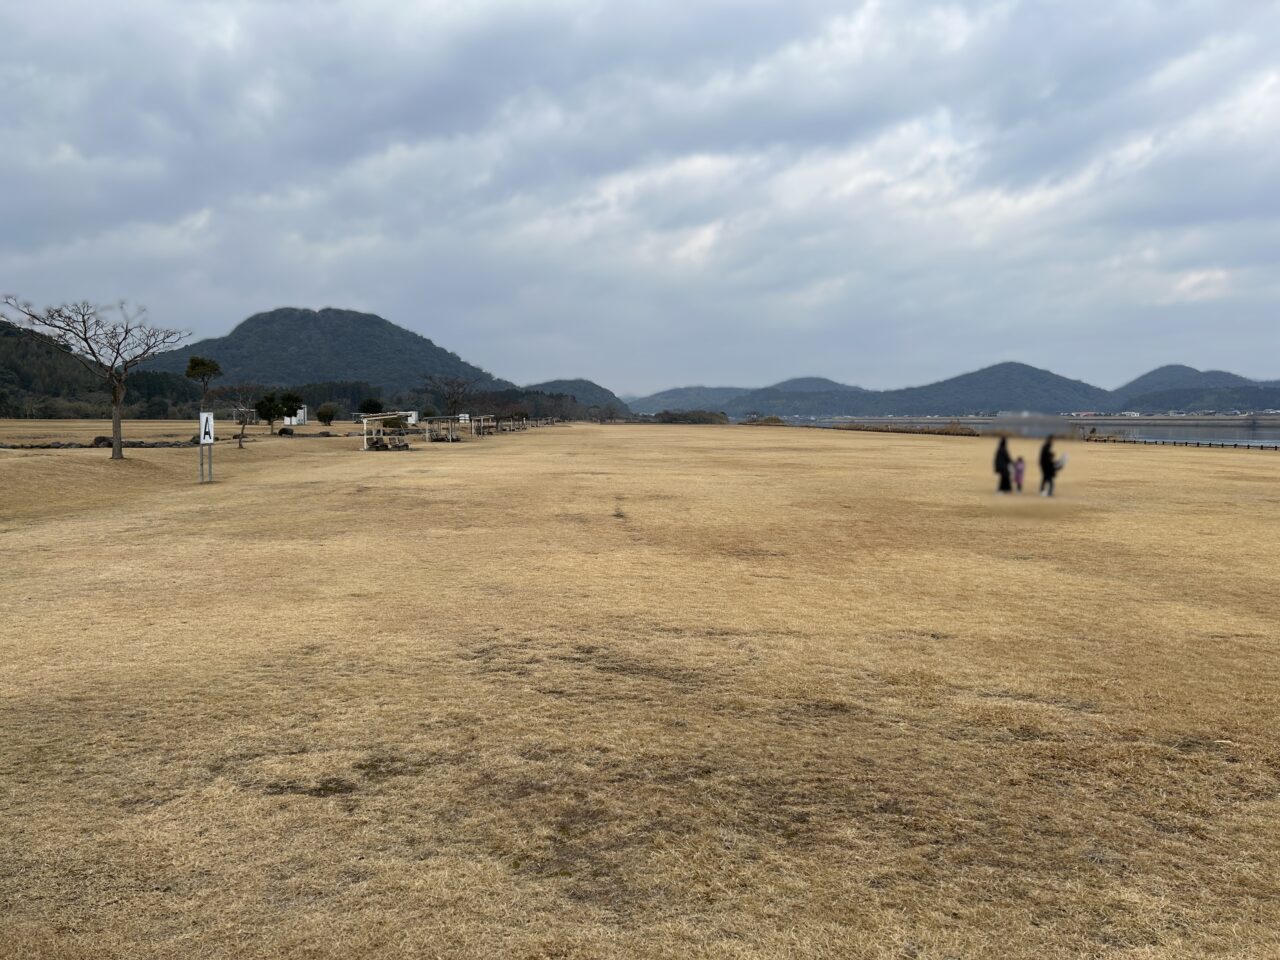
[(1196, 285)]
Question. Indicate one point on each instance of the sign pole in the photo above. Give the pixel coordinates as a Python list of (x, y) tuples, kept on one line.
[(206, 440)]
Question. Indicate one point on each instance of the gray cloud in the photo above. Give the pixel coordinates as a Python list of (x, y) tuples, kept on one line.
[(664, 193)]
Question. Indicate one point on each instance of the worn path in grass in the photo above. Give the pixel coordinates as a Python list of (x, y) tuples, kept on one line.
[(639, 692)]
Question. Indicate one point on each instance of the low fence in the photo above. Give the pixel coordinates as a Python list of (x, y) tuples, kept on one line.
[(1229, 444)]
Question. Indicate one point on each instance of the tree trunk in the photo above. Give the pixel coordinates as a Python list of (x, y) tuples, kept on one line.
[(117, 401)]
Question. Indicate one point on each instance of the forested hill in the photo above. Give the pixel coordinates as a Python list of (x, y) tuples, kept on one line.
[(586, 392), (30, 364), (292, 345), (38, 379), (1005, 386), (1177, 377)]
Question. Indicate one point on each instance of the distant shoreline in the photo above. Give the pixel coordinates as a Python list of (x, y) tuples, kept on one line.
[(1246, 431)]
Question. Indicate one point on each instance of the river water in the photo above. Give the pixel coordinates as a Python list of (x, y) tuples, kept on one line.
[(1251, 431), (1193, 431)]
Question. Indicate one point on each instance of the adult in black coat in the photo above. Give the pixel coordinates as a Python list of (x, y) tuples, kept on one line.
[(1004, 464), (1048, 468)]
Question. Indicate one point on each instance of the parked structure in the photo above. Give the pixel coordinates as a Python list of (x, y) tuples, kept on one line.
[(392, 431), (441, 429), (384, 431)]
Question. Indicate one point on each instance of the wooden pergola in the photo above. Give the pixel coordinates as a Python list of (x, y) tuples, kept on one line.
[(378, 436), (440, 429)]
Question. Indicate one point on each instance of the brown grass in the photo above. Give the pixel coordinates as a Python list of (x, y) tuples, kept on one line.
[(638, 692)]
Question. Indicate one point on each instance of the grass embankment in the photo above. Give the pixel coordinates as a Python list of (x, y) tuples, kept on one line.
[(952, 428), (607, 692)]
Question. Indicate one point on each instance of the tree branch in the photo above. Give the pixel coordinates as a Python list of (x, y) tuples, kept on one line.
[(107, 349)]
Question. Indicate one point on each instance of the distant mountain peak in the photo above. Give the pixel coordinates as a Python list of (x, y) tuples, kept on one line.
[(1177, 376), (811, 385), (1173, 368), (586, 392), (687, 398), (1009, 366)]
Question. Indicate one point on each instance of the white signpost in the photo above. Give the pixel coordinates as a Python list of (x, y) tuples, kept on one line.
[(206, 440)]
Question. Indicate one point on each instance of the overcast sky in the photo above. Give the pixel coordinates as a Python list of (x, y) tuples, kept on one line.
[(665, 193)]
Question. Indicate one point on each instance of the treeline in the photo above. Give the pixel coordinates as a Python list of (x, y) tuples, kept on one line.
[(347, 398), (689, 416), (534, 403), (37, 380)]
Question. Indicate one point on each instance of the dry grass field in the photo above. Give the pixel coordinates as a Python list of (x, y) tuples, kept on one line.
[(638, 692)]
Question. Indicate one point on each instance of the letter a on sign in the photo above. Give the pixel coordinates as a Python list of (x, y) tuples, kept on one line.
[(206, 428)]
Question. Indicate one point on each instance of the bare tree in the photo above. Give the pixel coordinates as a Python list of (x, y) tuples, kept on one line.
[(454, 392), (108, 348), (242, 397)]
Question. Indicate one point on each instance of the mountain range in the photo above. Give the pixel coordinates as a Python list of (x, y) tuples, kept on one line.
[(290, 346), (1005, 386)]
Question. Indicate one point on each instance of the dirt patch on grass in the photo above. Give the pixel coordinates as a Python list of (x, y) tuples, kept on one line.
[(325, 787)]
